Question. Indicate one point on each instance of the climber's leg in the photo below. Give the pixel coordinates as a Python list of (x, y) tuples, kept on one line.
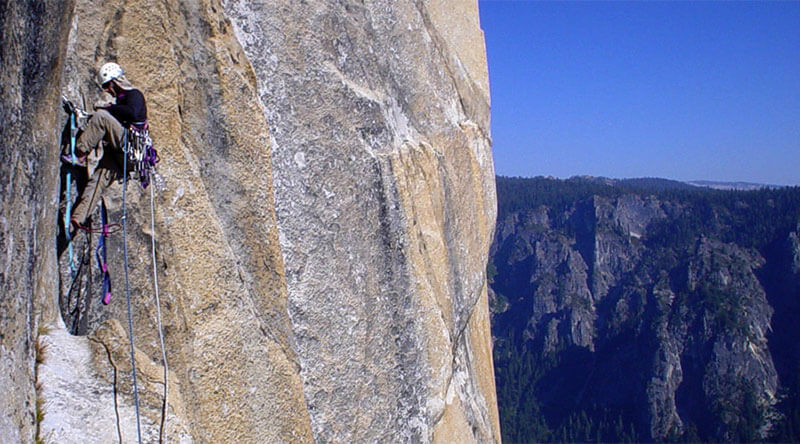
[(102, 126), (103, 175)]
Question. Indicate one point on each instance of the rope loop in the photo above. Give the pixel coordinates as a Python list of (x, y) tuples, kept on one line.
[(105, 230)]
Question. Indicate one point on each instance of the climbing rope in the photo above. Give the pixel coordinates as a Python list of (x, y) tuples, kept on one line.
[(127, 287), (68, 209), (162, 435), (144, 179)]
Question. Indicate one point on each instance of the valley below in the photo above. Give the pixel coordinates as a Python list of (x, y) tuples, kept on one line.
[(645, 310)]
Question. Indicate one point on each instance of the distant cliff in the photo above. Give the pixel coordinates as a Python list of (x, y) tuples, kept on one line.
[(645, 310), (321, 241)]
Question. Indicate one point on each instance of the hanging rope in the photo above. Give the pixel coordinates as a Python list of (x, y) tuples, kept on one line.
[(68, 209), (127, 285), (162, 434)]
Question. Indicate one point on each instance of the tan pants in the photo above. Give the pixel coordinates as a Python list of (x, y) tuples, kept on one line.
[(103, 139)]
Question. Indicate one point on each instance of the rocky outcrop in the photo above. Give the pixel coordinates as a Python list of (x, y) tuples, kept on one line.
[(321, 240), (624, 308), (724, 358)]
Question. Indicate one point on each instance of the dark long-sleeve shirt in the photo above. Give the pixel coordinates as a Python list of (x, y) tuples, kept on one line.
[(130, 107)]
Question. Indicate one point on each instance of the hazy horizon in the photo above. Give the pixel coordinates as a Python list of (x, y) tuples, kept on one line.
[(685, 91), (691, 181)]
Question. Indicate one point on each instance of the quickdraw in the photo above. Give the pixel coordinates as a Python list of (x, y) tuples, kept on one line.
[(142, 156)]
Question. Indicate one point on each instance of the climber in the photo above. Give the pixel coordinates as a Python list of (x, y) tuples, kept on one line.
[(104, 138)]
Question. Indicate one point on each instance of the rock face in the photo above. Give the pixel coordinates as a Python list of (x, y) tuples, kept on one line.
[(321, 240), (671, 314), (384, 207), (29, 77)]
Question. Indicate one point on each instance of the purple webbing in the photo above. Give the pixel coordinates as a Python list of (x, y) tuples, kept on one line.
[(151, 157)]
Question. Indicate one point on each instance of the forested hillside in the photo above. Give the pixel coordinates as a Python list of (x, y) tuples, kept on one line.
[(645, 310)]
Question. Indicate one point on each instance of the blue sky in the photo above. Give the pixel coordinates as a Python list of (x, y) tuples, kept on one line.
[(682, 90)]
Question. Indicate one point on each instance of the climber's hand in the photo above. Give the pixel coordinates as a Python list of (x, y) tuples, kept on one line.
[(101, 104)]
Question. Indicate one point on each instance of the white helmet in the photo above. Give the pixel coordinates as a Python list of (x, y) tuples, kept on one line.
[(109, 72)]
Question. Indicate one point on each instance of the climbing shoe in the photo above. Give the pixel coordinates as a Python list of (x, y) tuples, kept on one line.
[(78, 161)]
